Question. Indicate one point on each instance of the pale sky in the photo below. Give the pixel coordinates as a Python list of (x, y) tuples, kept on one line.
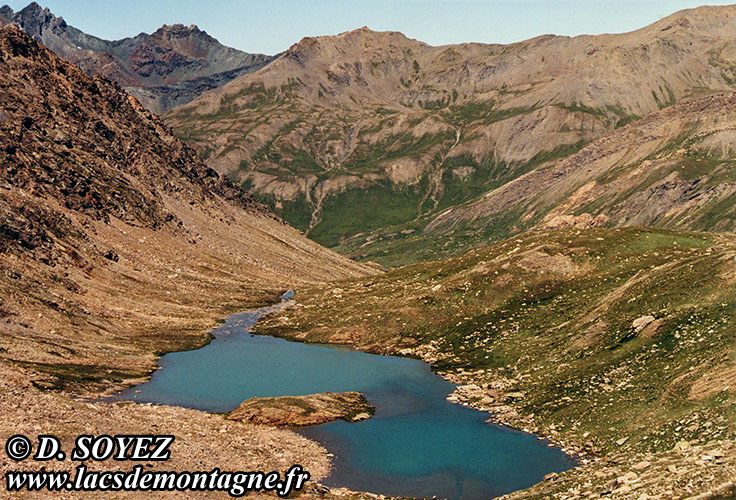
[(271, 26)]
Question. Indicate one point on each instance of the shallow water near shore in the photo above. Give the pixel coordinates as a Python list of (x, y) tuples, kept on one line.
[(417, 444)]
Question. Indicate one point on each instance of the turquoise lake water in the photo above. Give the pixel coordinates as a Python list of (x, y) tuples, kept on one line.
[(417, 444)]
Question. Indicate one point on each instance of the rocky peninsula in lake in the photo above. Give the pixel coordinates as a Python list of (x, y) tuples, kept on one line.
[(312, 409)]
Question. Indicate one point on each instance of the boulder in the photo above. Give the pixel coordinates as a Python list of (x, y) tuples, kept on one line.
[(640, 323)]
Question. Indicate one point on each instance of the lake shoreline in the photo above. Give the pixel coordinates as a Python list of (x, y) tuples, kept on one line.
[(620, 471), (237, 331), (593, 469)]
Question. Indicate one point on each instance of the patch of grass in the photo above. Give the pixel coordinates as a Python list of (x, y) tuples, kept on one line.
[(485, 111), (392, 248), (612, 113), (402, 249), (371, 157), (296, 212), (301, 162), (358, 210), (719, 215), (69, 376)]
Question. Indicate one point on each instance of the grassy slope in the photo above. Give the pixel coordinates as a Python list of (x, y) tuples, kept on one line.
[(404, 244), (297, 149), (550, 315)]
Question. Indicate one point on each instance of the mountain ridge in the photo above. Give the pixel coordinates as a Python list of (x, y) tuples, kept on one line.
[(170, 66), (342, 121)]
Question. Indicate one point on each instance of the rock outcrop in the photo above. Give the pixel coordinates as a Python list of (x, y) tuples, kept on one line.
[(313, 409)]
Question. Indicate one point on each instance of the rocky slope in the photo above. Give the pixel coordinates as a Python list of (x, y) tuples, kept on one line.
[(341, 124), (99, 200), (169, 67), (615, 343), (313, 409), (118, 243), (203, 440), (673, 168)]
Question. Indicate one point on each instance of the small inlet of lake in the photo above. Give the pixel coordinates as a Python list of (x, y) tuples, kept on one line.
[(417, 444)]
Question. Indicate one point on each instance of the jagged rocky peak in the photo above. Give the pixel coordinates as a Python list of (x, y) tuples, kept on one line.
[(76, 149), (33, 18), (71, 139), (171, 66), (175, 31), (178, 29)]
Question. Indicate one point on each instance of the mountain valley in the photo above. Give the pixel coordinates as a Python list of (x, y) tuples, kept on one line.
[(674, 168), (556, 219), (117, 244)]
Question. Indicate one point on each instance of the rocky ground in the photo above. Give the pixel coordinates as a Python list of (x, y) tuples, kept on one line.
[(313, 409), (702, 468), (203, 441)]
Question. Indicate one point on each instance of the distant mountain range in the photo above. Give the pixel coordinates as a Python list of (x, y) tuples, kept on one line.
[(392, 150), (167, 68), (363, 139)]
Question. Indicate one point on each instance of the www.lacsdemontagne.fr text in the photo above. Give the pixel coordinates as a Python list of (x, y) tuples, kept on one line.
[(133, 448), (236, 484)]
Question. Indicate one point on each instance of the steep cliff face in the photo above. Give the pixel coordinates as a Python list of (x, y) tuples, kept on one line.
[(339, 124), (169, 67), (116, 240)]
